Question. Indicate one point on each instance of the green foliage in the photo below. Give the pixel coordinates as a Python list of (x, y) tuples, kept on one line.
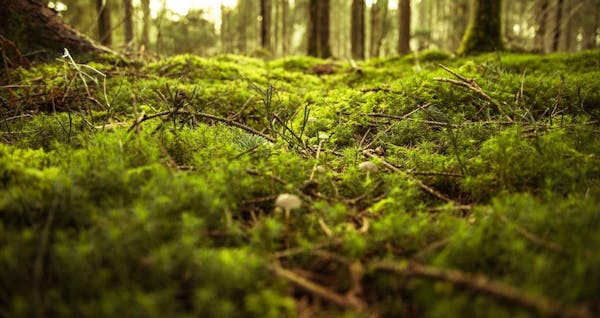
[(158, 198)]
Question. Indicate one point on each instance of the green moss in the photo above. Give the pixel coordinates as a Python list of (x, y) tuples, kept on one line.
[(108, 208)]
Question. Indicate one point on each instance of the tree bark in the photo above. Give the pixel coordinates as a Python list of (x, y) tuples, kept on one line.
[(403, 27), (459, 25), (128, 21), (145, 23), (358, 29), (318, 35), (313, 28), (542, 20), (484, 33), (592, 23), (32, 26), (325, 26), (265, 24), (285, 33), (104, 22), (557, 26)]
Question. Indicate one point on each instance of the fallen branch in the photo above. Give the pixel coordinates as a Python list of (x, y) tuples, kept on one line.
[(468, 83), (421, 185), (323, 292), (479, 283), (532, 237), (205, 116)]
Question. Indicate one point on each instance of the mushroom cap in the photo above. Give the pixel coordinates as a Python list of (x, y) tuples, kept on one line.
[(288, 201), (368, 166)]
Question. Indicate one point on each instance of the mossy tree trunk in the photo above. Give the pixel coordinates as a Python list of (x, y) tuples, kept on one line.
[(33, 27), (460, 10), (403, 27), (358, 29), (104, 22), (484, 33)]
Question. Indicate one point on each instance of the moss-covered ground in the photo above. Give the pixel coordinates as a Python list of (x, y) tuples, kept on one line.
[(149, 190)]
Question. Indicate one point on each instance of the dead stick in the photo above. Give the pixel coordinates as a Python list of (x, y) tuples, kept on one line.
[(318, 290), (203, 115), (532, 237), (543, 305), (422, 185)]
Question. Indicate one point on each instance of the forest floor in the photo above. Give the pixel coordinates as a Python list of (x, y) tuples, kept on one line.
[(428, 186)]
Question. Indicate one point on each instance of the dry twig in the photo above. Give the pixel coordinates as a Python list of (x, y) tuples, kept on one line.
[(421, 185), (479, 283), (344, 301)]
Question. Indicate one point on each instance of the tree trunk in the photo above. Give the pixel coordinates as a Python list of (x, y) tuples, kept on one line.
[(278, 22), (313, 28), (403, 27), (592, 23), (557, 26), (146, 23), (318, 35), (379, 26), (358, 29), (128, 21), (32, 26), (265, 25), (542, 20), (459, 25), (104, 23), (484, 33), (324, 32), (243, 24), (285, 33)]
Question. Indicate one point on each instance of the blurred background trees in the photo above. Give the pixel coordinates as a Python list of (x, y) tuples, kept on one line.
[(339, 28)]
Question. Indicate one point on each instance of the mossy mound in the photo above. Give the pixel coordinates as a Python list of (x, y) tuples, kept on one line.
[(464, 190)]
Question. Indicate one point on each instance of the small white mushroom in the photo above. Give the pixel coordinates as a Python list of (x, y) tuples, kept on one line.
[(288, 202), (368, 166)]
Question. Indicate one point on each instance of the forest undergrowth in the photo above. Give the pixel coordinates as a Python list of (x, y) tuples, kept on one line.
[(417, 186)]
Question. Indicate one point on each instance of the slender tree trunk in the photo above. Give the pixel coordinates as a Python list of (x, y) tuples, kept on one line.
[(243, 24), (265, 25), (325, 27), (567, 26), (104, 22), (542, 21), (383, 25), (278, 22), (31, 26), (375, 29), (557, 26), (484, 33), (146, 23), (403, 27), (313, 28), (285, 19), (358, 29), (128, 21)]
